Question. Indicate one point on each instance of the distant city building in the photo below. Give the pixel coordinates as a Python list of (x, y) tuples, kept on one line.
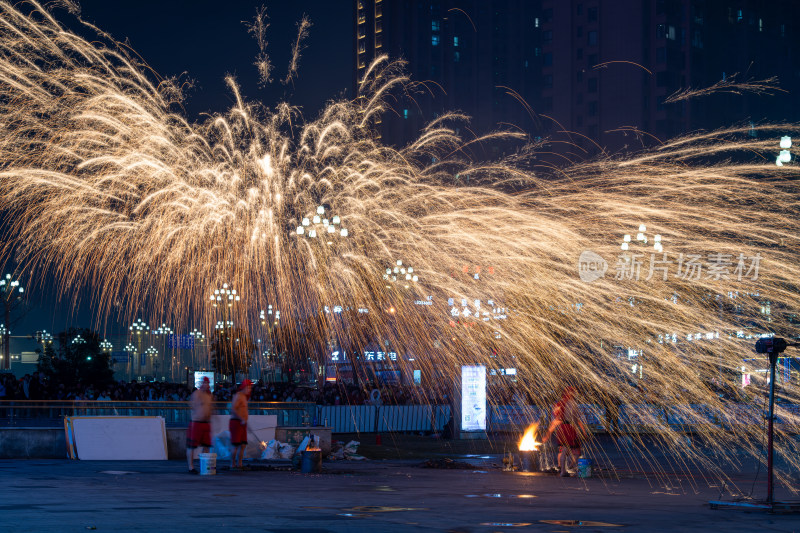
[(597, 68)]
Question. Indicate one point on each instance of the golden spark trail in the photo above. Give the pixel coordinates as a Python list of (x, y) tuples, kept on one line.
[(105, 184)]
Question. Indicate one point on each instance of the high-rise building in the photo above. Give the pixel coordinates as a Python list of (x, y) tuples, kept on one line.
[(584, 71), (469, 55)]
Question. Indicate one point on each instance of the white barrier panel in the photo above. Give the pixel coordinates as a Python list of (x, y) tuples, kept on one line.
[(260, 428), (117, 438)]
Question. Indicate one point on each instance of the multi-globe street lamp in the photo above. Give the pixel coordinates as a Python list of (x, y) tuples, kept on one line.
[(11, 292), (152, 355), (317, 225)]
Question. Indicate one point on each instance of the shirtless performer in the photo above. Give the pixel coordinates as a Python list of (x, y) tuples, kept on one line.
[(199, 433), (238, 423)]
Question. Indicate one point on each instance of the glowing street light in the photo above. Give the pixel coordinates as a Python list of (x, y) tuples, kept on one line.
[(400, 273), (320, 226), (139, 327), (106, 346), (11, 292), (224, 295), (785, 156), (163, 329)]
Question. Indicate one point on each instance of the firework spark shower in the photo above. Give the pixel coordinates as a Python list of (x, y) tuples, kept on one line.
[(104, 183)]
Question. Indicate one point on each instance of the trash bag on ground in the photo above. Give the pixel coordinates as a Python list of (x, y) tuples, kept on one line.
[(350, 451), (222, 445), (286, 451), (271, 451)]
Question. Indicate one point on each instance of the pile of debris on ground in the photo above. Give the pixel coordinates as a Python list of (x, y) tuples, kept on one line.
[(447, 463), (340, 450)]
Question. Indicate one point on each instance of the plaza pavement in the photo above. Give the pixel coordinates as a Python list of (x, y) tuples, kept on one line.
[(374, 496)]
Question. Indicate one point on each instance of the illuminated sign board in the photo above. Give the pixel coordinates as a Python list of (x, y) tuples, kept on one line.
[(473, 398), (198, 379)]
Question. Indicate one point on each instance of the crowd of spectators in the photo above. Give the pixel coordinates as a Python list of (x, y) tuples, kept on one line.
[(36, 386)]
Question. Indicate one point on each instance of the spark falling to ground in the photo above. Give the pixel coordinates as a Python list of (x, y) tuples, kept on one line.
[(105, 184)]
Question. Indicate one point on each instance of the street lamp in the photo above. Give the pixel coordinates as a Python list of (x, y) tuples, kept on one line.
[(785, 156), (318, 225), (403, 274), (106, 346), (267, 315), (131, 349), (224, 295), (152, 354), (641, 237), (139, 327), (11, 293)]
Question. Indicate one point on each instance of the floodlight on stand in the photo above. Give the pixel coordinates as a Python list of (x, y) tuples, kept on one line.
[(624, 246), (640, 236), (306, 222), (786, 142), (785, 156), (642, 228), (300, 230), (320, 210), (312, 233), (316, 219), (331, 229), (344, 232), (336, 219)]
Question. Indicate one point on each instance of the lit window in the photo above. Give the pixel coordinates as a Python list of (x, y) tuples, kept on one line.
[(457, 56), (592, 38), (435, 25), (536, 22), (434, 40), (455, 41), (405, 113)]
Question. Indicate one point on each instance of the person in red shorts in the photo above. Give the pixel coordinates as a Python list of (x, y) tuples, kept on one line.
[(199, 433), (568, 427), (238, 423)]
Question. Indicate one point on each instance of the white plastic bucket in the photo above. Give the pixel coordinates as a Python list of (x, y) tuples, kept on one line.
[(208, 464)]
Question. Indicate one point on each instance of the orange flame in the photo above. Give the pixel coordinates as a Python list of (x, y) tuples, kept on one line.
[(529, 442)]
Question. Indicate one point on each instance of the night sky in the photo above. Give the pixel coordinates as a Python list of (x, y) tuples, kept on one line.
[(204, 41)]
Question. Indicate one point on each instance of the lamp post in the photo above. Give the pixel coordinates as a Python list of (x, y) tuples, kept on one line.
[(11, 293), (198, 336), (131, 349), (163, 331), (152, 353), (137, 329)]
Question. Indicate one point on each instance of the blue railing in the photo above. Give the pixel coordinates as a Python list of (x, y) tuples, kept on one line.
[(175, 414)]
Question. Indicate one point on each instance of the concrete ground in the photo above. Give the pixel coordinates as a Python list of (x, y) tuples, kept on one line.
[(374, 495)]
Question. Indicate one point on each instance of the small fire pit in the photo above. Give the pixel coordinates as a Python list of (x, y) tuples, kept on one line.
[(311, 463), (528, 450)]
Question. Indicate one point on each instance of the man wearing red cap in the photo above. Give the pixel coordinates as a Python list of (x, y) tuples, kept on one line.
[(199, 433), (238, 423)]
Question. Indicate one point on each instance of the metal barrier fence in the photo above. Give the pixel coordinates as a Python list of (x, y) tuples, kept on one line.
[(396, 418), (175, 414), (388, 418)]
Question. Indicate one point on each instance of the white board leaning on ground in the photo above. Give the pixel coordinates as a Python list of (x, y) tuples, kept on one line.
[(116, 438)]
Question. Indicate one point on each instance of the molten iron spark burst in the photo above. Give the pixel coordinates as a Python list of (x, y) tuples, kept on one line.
[(105, 184)]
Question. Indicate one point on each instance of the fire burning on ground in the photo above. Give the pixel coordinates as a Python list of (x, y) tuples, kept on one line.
[(529, 442)]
